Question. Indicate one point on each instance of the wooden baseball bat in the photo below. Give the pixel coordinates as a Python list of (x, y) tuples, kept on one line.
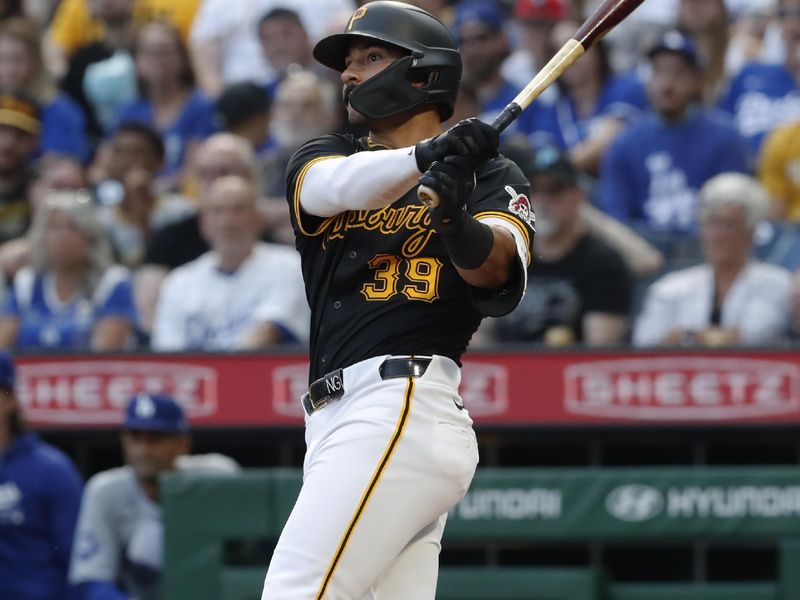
[(605, 17)]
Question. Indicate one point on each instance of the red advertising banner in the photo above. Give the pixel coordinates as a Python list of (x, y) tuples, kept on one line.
[(498, 389)]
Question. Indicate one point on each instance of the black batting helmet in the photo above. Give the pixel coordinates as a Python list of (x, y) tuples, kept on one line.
[(433, 59)]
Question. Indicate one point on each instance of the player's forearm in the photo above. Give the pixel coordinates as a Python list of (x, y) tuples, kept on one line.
[(496, 270), (361, 181)]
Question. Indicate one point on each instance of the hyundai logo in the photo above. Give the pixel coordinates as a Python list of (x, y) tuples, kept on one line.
[(635, 503)]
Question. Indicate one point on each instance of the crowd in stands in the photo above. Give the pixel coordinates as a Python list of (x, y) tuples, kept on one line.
[(143, 147)]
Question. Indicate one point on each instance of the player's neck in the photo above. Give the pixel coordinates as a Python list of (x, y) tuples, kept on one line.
[(418, 127)]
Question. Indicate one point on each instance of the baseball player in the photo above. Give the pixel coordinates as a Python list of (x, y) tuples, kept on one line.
[(40, 495), (117, 553), (396, 291)]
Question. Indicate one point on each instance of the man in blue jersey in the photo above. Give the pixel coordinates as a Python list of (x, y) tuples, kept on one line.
[(40, 492), (651, 173)]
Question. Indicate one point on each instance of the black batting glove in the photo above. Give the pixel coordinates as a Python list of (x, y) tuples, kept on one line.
[(468, 242), (453, 180), (471, 138)]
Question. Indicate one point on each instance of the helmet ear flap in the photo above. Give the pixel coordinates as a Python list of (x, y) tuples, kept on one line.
[(436, 83)]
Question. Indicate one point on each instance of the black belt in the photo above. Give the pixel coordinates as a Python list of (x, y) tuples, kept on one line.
[(331, 386)]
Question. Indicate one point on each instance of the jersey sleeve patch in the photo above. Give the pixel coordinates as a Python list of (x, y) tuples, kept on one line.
[(520, 205)]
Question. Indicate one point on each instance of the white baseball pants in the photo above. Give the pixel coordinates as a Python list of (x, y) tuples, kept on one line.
[(384, 463)]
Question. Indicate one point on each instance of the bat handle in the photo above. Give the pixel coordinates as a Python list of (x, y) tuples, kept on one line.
[(428, 196), (506, 117)]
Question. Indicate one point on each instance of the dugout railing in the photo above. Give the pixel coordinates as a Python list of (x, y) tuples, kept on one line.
[(212, 521)]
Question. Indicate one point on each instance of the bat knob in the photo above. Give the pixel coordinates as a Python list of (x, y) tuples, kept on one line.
[(427, 196)]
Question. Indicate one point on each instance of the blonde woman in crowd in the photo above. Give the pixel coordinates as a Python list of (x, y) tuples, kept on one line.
[(730, 298), (72, 296), (51, 172)]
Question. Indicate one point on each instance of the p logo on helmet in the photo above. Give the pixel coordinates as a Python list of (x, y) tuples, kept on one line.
[(356, 16)]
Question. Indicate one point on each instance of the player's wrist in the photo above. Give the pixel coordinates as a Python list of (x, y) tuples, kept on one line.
[(448, 219), (468, 241)]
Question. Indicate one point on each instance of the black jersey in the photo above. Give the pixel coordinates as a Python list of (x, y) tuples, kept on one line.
[(381, 282)]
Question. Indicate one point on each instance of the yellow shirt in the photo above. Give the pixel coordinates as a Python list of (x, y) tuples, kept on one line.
[(779, 168), (73, 26)]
